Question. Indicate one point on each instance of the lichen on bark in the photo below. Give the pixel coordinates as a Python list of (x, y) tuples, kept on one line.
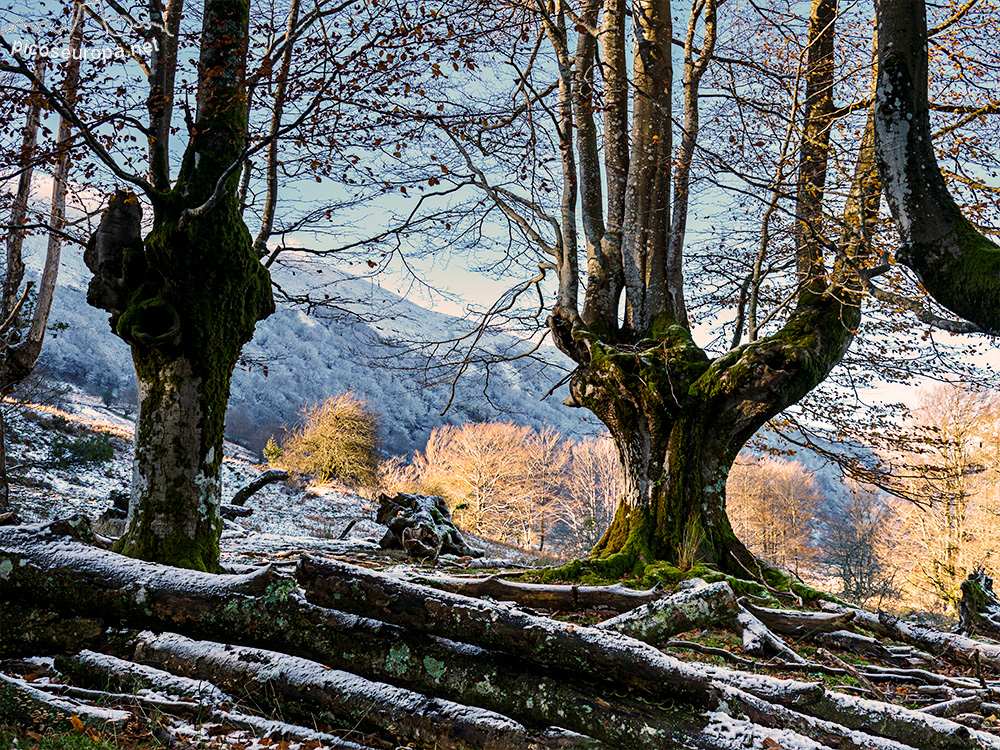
[(186, 299)]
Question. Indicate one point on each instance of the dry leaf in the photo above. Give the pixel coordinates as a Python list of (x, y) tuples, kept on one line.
[(770, 744)]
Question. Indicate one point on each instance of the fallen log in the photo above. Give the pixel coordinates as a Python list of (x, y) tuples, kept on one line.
[(708, 606), (955, 706), (902, 725), (308, 690), (268, 477), (564, 598), (200, 700), (759, 640), (957, 649), (798, 624), (577, 690), (22, 704), (103, 670), (541, 640), (51, 570)]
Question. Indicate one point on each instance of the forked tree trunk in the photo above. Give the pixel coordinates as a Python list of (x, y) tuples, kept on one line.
[(679, 422)]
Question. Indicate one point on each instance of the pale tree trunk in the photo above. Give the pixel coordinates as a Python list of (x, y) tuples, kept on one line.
[(19, 358), (956, 264), (186, 299)]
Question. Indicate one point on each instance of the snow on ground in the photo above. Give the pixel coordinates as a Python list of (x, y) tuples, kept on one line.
[(287, 519)]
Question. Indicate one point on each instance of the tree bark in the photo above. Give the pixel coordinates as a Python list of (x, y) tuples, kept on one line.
[(704, 607), (566, 598), (40, 567), (577, 689), (956, 264), (679, 422), (268, 477), (187, 300), (308, 691)]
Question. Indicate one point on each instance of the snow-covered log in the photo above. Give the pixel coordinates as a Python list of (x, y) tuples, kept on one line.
[(540, 640), (759, 640), (92, 668), (565, 598), (42, 567), (23, 704), (798, 624), (906, 726), (534, 670), (952, 647), (708, 606), (308, 690)]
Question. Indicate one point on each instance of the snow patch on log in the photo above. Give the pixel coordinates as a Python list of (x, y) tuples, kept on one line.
[(699, 608)]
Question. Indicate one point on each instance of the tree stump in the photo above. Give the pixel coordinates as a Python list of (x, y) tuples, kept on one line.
[(421, 525)]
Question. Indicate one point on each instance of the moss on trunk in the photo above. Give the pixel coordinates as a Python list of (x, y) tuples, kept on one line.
[(187, 299), (679, 421)]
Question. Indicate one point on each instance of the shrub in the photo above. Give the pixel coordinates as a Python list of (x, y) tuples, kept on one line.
[(336, 439), (84, 450)]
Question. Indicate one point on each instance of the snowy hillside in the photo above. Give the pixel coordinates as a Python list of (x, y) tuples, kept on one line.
[(309, 358)]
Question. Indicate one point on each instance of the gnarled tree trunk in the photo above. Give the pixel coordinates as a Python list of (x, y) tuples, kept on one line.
[(186, 299), (679, 422)]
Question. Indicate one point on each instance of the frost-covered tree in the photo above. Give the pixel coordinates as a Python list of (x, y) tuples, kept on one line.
[(192, 116)]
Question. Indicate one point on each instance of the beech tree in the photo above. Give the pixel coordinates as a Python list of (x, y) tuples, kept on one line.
[(605, 204), (679, 414), (956, 263), (174, 262)]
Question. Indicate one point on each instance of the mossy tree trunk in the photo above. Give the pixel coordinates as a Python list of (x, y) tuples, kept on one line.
[(956, 264), (679, 417), (679, 422), (186, 298)]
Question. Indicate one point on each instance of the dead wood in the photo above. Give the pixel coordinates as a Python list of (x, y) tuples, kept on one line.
[(48, 569), (798, 624), (954, 648), (758, 639), (308, 690), (531, 669), (708, 606), (268, 477), (955, 706), (563, 598), (22, 704), (201, 700), (902, 725), (104, 670), (229, 512), (421, 525), (540, 640), (979, 608)]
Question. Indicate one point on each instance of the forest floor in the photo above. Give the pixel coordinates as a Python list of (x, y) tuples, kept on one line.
[(75, 457)]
